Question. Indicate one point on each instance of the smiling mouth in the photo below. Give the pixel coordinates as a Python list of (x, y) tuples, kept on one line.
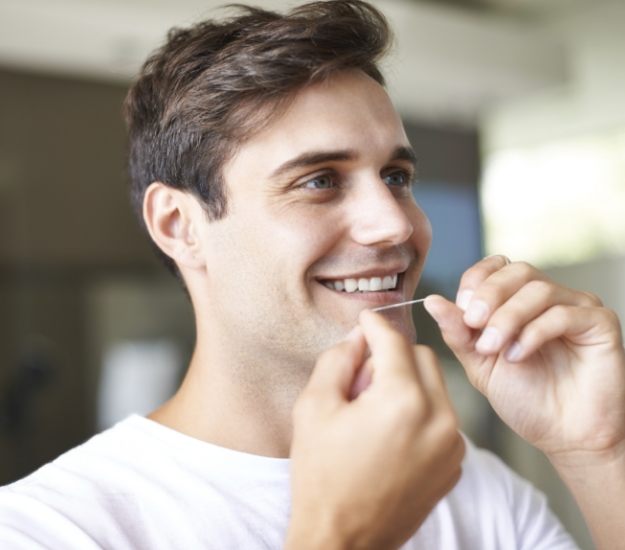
[(386, 283)]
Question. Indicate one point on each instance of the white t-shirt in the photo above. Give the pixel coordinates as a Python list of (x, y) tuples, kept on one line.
[(141, 485)]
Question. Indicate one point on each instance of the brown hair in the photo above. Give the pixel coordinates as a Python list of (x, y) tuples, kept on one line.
[(212, 85)]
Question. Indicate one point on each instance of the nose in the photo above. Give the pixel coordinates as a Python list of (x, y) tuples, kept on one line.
[(379, 217)]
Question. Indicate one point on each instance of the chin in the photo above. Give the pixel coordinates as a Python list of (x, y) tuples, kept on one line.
[(404, 326)]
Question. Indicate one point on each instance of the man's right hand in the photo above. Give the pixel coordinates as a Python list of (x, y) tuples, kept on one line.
[(366, 472)]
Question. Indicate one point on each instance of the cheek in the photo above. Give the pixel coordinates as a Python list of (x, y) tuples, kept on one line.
[(309, 233), (422, 235)]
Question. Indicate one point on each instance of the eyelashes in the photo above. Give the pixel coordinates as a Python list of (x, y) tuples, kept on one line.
[(327, 181), (321, 182), (399, 178)]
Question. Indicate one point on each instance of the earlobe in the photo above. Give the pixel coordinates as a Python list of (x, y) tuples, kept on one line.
[(169, 217)]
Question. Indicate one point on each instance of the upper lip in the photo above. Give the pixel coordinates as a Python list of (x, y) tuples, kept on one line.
[(381, 271)]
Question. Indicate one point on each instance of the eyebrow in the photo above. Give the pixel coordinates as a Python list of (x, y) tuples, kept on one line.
[(405, 153), (313, 158)]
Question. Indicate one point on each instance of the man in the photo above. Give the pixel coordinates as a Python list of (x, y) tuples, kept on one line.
[(273, 174)]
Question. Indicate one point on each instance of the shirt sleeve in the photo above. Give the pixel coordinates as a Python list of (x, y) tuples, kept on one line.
[(536, 526), (27, 523)]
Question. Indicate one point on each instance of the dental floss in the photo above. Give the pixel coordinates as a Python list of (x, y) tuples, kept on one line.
[(400, 304)]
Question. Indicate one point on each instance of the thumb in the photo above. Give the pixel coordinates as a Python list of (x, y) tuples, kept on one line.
[(457, 335), (461, 340), (334, 372)]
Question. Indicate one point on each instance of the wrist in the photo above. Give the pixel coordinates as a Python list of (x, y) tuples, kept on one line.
[(303, 539), (597, 482), (584, 460), (314, 534)]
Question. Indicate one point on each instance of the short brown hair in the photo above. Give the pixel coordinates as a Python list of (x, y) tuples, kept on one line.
[(199, 95)]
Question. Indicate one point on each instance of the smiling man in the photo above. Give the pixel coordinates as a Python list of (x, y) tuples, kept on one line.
[(274, 176), (317, 200)]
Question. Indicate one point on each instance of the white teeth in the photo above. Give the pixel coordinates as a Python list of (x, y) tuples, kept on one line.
[(375, 284), (351, 285), (387, 282), (372, 284)]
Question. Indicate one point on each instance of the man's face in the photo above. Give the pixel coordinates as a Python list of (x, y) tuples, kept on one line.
[(319, 202)]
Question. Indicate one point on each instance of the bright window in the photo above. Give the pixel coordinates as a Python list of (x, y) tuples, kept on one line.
[(556, 203)]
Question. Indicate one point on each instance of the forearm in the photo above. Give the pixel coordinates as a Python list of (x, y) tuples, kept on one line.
[(598, 486), (302, 538)]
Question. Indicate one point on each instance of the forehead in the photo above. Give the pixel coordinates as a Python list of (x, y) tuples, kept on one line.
[(348, 111)]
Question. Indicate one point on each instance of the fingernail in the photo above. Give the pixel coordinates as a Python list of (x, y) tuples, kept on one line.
[(463, 299), (437, 313), (514, 352), (490, 341), (434, 313), (477, 313)]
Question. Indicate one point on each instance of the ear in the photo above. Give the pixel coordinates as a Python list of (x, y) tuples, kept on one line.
[(171, 217)]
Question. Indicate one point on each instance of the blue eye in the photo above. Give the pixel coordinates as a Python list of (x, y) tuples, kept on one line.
[(397, 179), (324, 181)]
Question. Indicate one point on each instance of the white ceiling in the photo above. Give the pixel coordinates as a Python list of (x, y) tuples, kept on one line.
[(449, 63)]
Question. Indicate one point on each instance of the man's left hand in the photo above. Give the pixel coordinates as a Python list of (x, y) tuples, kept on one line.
[(549, 359)]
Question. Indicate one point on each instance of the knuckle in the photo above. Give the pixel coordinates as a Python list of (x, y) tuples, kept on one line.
[(613, 321), (411, 406), (473, 276), (560, 313), (498, 260), (502, 259), (592, 299), (489, 292), (542, 288), (526, 270), (448, 426), (612, 317)]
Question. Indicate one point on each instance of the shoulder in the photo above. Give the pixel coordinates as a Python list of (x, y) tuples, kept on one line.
[(56, 505), (494, 507)]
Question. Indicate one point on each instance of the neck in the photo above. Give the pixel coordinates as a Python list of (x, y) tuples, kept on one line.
[(235, 404)]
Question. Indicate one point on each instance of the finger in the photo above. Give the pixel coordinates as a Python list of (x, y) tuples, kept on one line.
[(455, 456), (362, 380), (496, 289), (335, 369), (580, 325), (475, 275), (529, 302), (460, 338), (449, 317), (452, 459), (391, 353), (430, 372)]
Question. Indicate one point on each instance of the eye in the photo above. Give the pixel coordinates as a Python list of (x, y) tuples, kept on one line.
[(398, 178), (321, 182)]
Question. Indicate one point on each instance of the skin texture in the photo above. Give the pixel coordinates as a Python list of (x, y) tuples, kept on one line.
[(271, 338), (414, 461), (262, 315), (551, 362)]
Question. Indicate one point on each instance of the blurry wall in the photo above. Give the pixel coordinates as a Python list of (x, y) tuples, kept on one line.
[(65, 223)]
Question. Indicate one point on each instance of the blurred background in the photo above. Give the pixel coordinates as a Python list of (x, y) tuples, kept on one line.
[(516, 109)]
